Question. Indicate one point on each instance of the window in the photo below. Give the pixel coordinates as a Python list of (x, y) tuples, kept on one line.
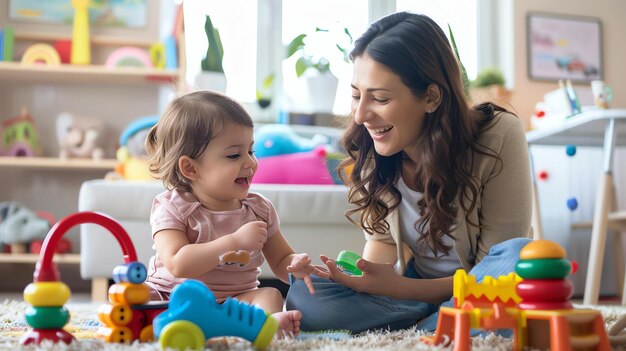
[(462, 20), (304, 17), (238, 39), (254, 35)]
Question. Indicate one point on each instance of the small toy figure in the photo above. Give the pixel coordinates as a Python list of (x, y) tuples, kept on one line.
[(19, 226), (79, 137), (20, 137), (132, 153)]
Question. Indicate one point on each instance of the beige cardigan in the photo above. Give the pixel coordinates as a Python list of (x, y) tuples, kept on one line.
[(503, 207)]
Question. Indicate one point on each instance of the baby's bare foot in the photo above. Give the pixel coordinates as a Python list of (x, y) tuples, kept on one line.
[(289, 323)]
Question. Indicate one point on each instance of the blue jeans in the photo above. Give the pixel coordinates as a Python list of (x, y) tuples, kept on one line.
[(337, 307)]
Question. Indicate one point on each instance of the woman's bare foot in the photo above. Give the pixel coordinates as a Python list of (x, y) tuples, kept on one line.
[(288, 322)]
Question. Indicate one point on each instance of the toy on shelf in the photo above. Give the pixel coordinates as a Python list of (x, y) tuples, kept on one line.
[(81, 50), (41, 54), (20, 137), (79, 137), (131, 156), (64, 48), (536, 308), (64, 246), (129, 57), (47, 294), (602, 94), (7, 41), (194, 316), (19, 226), (157, 55), (347, 261)]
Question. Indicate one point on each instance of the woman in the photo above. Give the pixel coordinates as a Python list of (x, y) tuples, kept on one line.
[(437, 186)]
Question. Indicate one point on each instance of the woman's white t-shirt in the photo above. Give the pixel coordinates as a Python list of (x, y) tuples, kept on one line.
[(425, 262)]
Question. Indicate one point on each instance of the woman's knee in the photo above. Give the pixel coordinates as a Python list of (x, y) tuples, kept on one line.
[(509, 247)]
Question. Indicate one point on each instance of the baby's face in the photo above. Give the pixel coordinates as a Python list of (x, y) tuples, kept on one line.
[(226, 168)]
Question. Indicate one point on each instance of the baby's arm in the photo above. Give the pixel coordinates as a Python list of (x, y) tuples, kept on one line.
[(283, 260), (189, 260)]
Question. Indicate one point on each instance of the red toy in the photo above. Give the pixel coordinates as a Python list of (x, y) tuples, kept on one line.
[(47, 294)]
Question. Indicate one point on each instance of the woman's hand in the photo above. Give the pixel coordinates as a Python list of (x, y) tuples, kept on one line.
[(377, 278), (301, 268)]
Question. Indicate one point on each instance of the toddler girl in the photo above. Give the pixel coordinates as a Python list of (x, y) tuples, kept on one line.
[(207, 225)]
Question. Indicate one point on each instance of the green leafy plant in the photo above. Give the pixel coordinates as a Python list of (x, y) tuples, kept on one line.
[(466, 82), (306, 60), (487, 77), (212, 61)]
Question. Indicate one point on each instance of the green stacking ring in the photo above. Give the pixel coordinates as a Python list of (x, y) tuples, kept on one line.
[(47, 317), (545, 268)]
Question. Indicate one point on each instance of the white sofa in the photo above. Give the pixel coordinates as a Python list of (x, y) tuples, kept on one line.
[(312, 220)]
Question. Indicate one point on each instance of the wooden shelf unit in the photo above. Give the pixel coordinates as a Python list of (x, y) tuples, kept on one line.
[(96, 74), (68, 258), (57, 163)]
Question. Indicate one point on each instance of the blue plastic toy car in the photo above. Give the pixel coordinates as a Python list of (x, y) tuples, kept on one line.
[(194, 316)]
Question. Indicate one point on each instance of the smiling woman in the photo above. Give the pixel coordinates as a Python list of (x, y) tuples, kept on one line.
[(436, 185)]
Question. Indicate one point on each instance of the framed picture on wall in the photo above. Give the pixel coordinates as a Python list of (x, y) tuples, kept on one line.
[(111, 13), (564, 47)]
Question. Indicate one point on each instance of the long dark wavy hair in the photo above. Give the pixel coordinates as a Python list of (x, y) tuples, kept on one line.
[(416, 49)]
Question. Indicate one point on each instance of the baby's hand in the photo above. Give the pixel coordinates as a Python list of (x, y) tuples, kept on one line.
[(251, 236), (301, 268)]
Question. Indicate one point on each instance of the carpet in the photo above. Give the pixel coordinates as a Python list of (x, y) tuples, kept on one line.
[(83, 325)]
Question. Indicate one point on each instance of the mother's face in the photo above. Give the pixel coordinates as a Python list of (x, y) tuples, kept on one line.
[(384, 105)]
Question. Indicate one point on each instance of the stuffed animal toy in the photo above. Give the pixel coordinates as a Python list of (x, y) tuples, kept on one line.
[(280, 139), (132, 153), (79, 137), (19, 225), (312, 167), (20, 137)]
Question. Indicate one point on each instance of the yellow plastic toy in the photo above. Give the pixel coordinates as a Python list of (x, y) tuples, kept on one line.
[(81, 51), (131, 156), (497, 304)]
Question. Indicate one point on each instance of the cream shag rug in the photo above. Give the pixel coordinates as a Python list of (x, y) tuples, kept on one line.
[(83, 324)]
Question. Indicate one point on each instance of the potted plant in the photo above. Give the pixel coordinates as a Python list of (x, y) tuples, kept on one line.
[(212, 75), (264, 93), (320, 83), (489, 86)]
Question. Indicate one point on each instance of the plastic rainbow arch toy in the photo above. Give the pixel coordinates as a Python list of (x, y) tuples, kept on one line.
[(47, 294), (41, 53)]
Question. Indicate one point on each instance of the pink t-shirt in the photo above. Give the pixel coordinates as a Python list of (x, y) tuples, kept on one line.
[(182, 211)]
